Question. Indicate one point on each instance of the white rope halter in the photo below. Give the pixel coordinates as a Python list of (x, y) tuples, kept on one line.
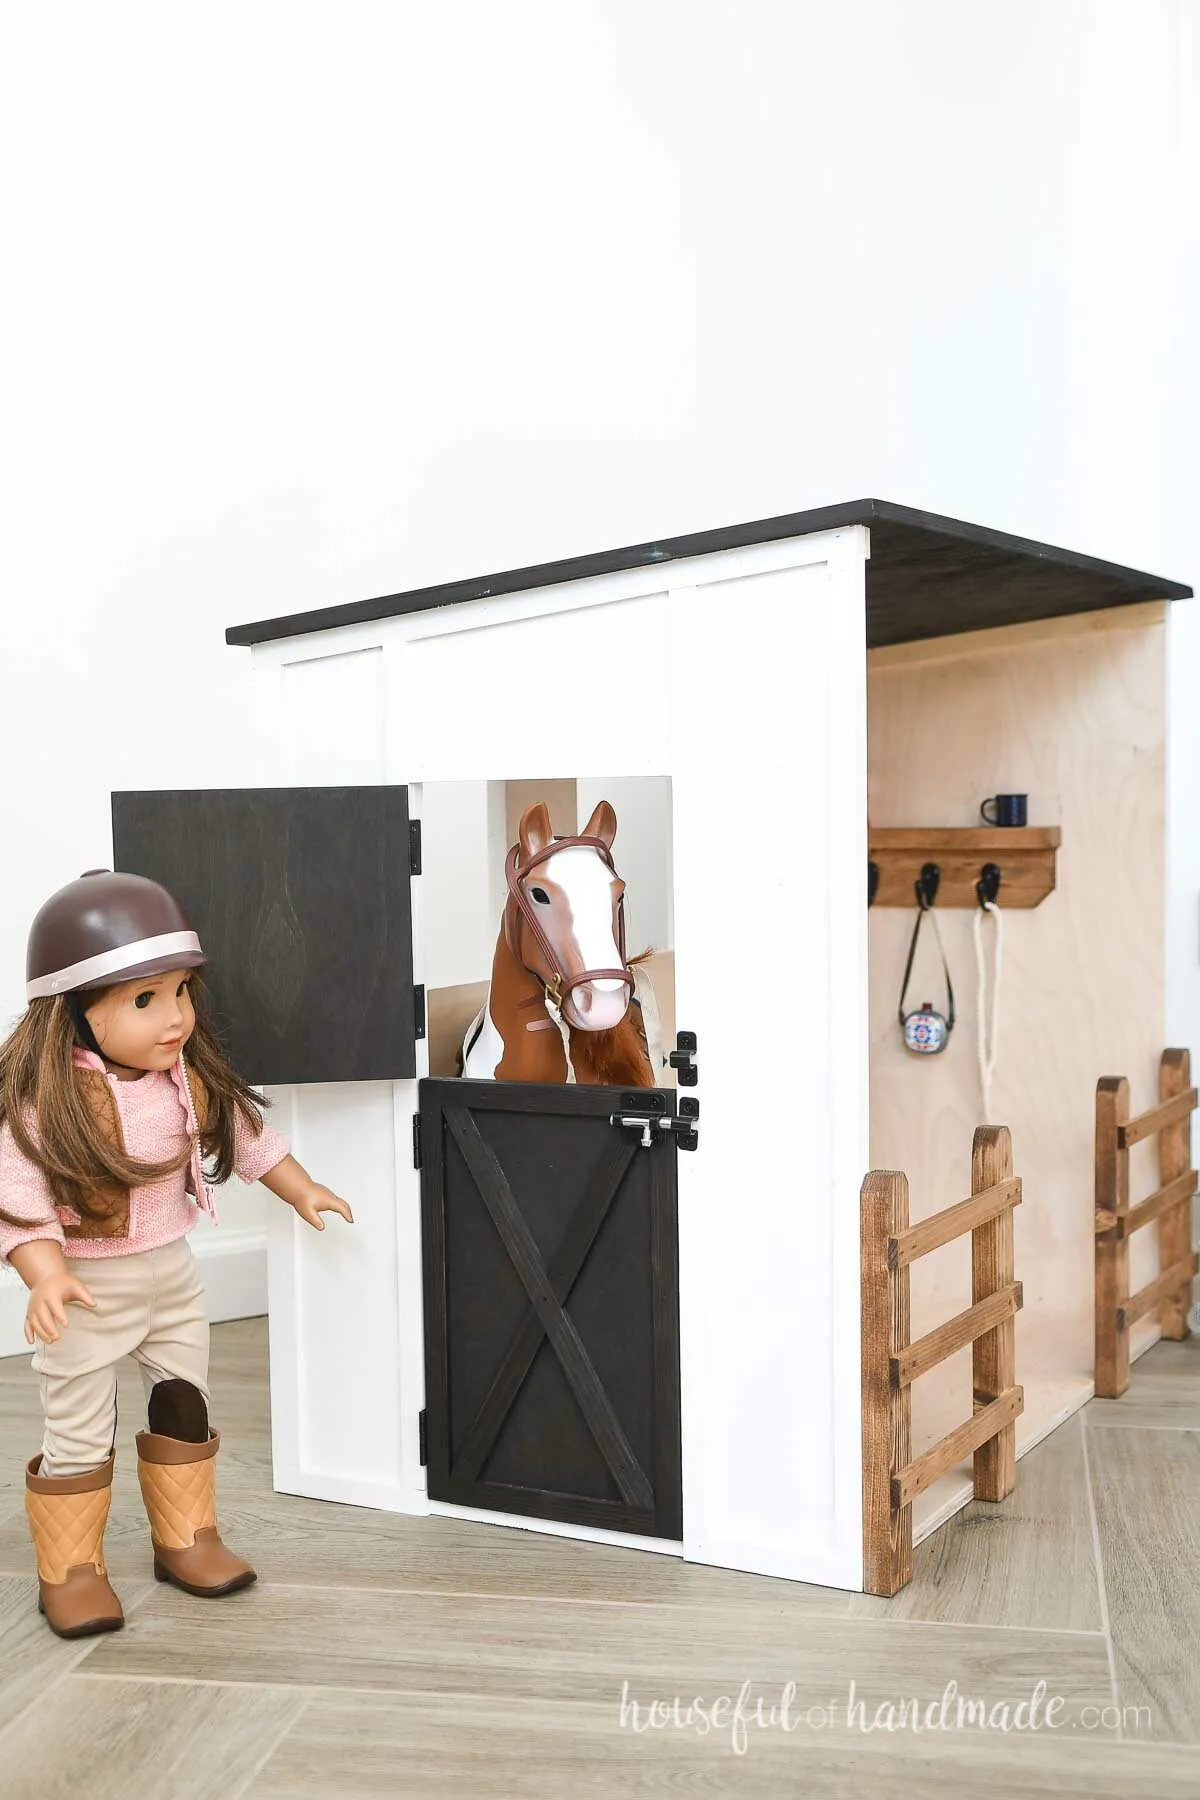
[(985, 1031)]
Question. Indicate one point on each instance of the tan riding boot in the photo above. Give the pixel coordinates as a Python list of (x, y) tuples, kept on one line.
[(67, 1515), (178, 1482)]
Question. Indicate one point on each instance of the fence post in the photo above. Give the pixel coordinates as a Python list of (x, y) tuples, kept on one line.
[(886, 1411), (1112, 1248), (994, 1355), (1174, 1159)]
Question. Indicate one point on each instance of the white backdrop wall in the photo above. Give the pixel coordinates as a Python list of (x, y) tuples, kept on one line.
[(308, 302)]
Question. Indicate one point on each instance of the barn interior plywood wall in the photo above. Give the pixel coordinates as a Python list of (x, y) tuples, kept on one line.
[(1072, 713)]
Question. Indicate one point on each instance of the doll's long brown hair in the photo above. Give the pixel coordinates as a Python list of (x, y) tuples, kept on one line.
[(40, 1087)]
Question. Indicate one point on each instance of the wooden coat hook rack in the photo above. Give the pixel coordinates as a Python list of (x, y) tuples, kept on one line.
[(1016, 867)]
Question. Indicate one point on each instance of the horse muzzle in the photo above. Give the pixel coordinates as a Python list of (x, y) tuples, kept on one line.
[(597, 1003)]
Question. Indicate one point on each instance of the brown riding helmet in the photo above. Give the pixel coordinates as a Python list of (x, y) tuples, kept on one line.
[(107, 927)]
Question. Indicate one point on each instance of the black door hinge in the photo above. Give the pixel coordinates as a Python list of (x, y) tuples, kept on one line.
[(416, 1140), (423, 1436), (418, 1009), (414, 846)]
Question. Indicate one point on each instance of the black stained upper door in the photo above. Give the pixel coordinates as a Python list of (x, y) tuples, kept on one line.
[(301, 898), (550, 1243)]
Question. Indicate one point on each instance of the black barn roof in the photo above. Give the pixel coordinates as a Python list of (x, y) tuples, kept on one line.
[(928, 576)]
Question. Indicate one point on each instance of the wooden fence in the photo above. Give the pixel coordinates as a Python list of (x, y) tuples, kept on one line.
[(891, 1362), (1116, 1221)]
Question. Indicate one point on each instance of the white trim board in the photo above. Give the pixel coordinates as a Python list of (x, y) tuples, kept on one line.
[(235, 1273), (12, 1314)]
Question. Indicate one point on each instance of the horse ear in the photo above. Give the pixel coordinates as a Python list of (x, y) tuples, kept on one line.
[(602, 824), (536, 831)]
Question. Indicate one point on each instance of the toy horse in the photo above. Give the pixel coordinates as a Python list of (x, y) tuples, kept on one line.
[(562, 1005)]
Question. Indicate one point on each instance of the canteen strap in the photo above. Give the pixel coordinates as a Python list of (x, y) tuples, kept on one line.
[(922, 909)]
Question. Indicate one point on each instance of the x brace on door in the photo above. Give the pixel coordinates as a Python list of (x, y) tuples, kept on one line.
[(548, 1290)]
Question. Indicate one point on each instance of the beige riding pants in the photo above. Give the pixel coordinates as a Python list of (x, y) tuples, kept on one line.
[(150, 1306)]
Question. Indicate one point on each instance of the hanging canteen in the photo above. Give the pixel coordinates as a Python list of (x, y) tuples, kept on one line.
[(926, 1033)]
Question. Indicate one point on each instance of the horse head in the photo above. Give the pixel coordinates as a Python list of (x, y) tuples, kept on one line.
[(565, 918)]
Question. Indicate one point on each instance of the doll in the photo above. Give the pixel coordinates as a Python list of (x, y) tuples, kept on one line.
[(113, 1088)]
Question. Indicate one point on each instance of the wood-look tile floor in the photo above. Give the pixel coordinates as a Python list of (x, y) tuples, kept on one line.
[(428, 1659)]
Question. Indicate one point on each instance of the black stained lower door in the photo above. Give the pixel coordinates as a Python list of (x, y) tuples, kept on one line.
[(551, 1276)]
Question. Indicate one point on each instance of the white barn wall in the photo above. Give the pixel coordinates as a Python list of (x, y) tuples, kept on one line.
[(313, 303), (768, 1247), (769, 1222), (336, 1328)]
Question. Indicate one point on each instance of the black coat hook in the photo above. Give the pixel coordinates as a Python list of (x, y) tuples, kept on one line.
[(926, 885), (988, 885), (872, 882)]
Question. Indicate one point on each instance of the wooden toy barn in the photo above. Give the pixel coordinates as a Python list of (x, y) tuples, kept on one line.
[(557, 1310)]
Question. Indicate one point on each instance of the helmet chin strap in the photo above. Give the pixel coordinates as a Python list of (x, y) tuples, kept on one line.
[(83, 1030)]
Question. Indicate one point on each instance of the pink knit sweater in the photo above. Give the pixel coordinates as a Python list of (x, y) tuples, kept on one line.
[(156, 1115)]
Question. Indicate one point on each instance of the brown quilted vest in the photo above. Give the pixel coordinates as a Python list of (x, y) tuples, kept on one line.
[(111, 1201)]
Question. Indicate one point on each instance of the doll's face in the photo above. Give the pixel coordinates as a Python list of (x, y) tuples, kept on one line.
[(144, 1024)]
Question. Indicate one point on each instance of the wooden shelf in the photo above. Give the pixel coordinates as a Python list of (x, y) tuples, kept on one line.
[(1026, 857)]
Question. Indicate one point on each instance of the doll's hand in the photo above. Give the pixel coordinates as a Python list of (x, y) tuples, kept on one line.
[(46, 1314), (314, 1200)]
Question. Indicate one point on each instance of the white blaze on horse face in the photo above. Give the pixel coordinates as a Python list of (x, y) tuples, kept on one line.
[(588, 886)]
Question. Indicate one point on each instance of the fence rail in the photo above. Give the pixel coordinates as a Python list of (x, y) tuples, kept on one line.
[(1170, 1207), (891, 1362)]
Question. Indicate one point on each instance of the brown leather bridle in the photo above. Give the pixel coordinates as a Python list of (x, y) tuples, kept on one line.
[(520, 909)]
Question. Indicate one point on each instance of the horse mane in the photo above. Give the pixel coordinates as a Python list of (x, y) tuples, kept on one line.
[(616, 1058)]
